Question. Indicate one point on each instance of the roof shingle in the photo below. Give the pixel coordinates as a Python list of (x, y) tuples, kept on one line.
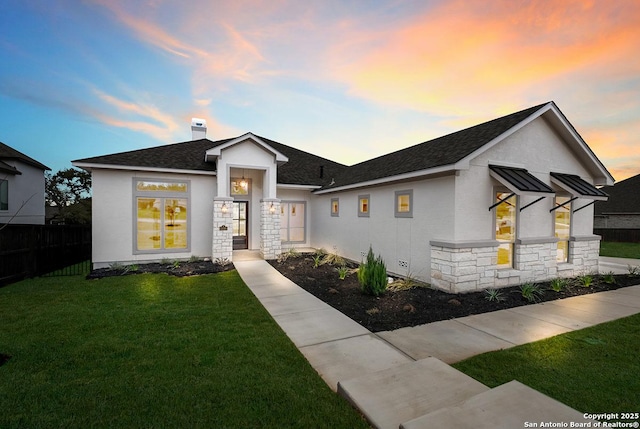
[(7, 152)]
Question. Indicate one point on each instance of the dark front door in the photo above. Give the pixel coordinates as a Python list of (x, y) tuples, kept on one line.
[(240, 225)]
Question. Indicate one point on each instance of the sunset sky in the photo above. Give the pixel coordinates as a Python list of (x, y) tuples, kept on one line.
[(347, 79)]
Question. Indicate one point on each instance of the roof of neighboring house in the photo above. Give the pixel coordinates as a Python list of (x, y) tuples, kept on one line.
[(624, 197), (9, 153)]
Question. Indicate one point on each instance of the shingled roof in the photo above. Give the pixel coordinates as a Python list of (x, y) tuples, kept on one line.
[(624, 197), (303, 168), (438, 152), (9, 153)]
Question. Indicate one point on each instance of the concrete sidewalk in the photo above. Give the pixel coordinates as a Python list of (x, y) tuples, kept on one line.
[(402, 378)]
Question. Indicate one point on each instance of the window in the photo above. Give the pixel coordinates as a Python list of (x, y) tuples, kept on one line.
[(505, 228), (4, 195), (335, 207), (562, 227), (162, 216), (240, 186), (363, 205), (293, 221), (404, 203)]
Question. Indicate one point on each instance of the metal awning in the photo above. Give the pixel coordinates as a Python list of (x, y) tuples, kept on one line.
[(578, 187), (520, 181)]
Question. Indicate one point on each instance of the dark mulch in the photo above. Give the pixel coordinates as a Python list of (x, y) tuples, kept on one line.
[(418, 305), (178, 269)]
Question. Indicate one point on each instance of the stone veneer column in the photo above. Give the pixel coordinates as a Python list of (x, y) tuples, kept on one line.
[(584, 253), (270, 244), (222, 243)]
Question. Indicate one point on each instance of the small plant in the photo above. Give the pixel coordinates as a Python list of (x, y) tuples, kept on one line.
[(493, 295), (321, 252), (223, 262), (557, 285), (633, 271), (585, 280), (195, 258), (116, 266), (372, 275), (531, 292), (165, 261), (373, 311), (333, 259), (317, 260), (609, 278), (176, 264), (293, 253), (342, 272)]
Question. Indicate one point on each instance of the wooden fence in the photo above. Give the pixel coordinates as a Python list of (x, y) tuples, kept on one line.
[(35, 250), (618, 234)]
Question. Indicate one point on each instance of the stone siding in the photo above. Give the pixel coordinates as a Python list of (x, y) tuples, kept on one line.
[(270, 242), (460, 269), (222, 246)]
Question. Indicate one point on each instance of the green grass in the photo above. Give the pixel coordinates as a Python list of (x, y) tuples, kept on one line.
[(620, 250), (154, 351), (591, 370)]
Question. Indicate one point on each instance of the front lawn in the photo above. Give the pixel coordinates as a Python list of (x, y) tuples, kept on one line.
[(593, 370), (620, 250), (157, 351)]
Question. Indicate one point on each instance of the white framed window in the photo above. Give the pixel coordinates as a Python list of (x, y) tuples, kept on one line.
[(404, 203), (293, 221), (364, 205), (161, 216), (506, 220), (562, 227), (335, 207)]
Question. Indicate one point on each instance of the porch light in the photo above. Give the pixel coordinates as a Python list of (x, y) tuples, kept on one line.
[(272, 209), (224, 208), (243, 182)]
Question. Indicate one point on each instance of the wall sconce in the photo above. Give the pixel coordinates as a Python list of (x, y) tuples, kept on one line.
[(223, 208), (272, 209), (243, 182)]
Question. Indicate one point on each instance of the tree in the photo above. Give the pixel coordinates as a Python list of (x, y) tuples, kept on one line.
[(69, 190)]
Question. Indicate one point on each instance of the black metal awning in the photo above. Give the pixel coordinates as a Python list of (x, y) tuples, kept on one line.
[(520, 181), (578, 187)]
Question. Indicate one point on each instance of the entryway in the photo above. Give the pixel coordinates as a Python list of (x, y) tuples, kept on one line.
[(240, 225)]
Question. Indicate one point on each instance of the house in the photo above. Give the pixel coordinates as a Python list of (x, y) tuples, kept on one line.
[(21, 187), (622, 210), (500, 203)]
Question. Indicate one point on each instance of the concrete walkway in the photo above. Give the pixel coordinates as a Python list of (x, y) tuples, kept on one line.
[(401, 378)]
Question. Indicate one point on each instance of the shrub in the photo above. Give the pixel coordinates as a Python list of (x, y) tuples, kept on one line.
[(333, 259), (493, 295), (531, 292), (372, 275), (633, 271), (557, 285), (316, 260)]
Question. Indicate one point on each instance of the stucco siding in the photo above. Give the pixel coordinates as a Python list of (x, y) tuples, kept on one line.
[(114, 217), (26, 195), (403, 243)]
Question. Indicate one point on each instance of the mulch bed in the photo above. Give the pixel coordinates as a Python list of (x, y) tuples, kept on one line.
[(178, 269), (418, 305)]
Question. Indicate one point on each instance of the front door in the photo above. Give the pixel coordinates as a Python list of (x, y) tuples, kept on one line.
[(240, 230)]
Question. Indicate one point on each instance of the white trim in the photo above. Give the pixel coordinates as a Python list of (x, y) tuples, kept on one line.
[(391, 179), (89, 166), (215, 152), (300, 187)]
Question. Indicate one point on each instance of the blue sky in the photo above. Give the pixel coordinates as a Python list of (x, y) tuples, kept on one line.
[(347, 80)]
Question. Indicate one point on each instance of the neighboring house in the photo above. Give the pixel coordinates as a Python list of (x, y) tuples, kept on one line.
[(501, 203), (622, 210), (21, 188)]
